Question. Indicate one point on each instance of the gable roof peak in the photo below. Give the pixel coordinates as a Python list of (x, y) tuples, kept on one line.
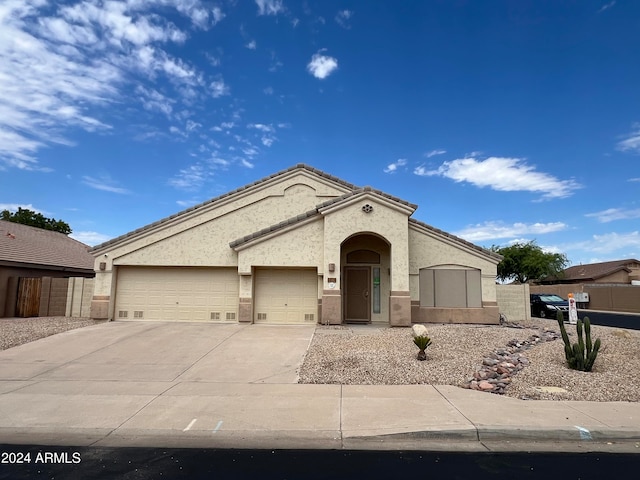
[(297, 167)]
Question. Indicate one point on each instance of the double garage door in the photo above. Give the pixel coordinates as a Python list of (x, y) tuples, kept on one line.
[(286, 296), (177, 294)]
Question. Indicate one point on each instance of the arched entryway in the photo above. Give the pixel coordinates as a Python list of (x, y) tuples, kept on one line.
[(366, 267)]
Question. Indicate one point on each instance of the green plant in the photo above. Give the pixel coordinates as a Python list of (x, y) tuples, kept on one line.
[(422, 343), (580, 355)]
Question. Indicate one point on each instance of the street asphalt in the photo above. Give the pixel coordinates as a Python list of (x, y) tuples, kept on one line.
[(161, 384)]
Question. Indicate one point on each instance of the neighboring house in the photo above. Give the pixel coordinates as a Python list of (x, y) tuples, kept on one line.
[(617, 271), (299, 246), (29, 254), (609, 286)]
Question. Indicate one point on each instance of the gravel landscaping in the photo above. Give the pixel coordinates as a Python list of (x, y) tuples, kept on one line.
[(369, 355), (17, 331)]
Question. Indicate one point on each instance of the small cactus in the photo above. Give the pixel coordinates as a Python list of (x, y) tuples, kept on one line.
[(580, 355)]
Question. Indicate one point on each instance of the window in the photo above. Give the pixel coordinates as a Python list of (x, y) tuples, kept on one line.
[(363, 256), (450, 288), (376, 289)]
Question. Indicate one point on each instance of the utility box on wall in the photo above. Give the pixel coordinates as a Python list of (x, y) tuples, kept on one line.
[(581, 297)]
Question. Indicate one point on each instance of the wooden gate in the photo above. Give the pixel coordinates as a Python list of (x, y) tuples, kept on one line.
[(28, 302)]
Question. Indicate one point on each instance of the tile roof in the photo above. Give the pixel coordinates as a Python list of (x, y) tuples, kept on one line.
[(357, 191), (484, 251), (274, 228), (315, 212), (354, 190), (593, 271), (22, 244), (299, 166)]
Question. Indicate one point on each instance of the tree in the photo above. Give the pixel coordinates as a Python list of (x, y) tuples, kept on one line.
[(524, 262), (33, 219)]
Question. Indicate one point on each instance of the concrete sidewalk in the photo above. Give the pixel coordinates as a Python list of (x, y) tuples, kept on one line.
[(230, 385)]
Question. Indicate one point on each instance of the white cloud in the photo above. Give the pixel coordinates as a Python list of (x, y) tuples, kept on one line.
[(213, 60), (632, 141), (187, 203), (269, 7), (246, 163), (195, 176), (433, 153), (502, 174), (90, 238), (250, 151), (321, 66), (342, 18), (153, 100), (192, 126), (104, 183), (495, 230), (275, 62), (267, 133), (613, 214), (268, 91), (190, 178), (59, 64), (13, 207), (612, 245), (262, 127), (219, 88), (252, 45), (217, 14), (392, 167), (607, 6)]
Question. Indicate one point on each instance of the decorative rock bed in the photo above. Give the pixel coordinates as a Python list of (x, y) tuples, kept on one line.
[(494, 375)]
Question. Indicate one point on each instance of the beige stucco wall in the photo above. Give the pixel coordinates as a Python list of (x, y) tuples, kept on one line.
[(385, 221), (298, 247), (201, 237), (428, 249), (514, 302), (618, 277)]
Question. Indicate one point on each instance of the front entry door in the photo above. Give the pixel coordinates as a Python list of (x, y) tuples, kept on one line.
[(357, 295)]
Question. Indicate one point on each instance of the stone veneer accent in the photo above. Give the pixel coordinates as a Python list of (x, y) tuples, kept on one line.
[(400, 309), (100, 307), (331, 307), (245, 310)]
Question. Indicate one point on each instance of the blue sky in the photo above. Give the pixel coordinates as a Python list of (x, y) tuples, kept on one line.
[(503, 120)]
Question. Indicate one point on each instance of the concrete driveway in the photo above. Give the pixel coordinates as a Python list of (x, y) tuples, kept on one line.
[(123, 380), (162, 352)]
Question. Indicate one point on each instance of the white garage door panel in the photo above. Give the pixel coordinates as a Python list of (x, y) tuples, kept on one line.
[(286, 296), (181, 294)]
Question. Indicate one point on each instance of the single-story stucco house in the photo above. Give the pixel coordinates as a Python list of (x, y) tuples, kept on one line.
[(299, 246)]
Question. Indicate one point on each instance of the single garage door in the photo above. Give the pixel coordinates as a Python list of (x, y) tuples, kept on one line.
[(286, 296), (181, 294)]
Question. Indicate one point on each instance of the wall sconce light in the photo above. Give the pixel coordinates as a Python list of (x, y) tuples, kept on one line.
[(332, 267), (103, 265)]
